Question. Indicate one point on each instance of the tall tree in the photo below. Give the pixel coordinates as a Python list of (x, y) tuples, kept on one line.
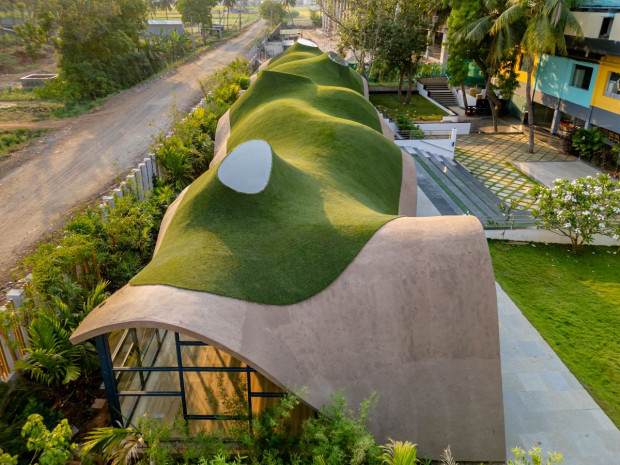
[(288, 4), (403, 40), (469, 27), (197, 11), (228, 4), (359, 26), (272, 11), (547, 22), (96, 43)]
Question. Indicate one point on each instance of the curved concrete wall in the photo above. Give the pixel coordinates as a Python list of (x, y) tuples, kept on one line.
[(413, 318)]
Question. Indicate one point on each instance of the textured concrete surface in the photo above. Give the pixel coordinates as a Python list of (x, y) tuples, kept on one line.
[(548, 171), (413, 318), (544, 404)]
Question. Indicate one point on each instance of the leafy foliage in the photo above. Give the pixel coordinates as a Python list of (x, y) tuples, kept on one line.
[(272, 11), (588, 142), (197, 11), (51, 447), (399, 453), (403, 40), (339, 434), (579, 209), (534, 457)]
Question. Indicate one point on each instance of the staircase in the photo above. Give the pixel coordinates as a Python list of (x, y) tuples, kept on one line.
[(455, 191), (439, 91)]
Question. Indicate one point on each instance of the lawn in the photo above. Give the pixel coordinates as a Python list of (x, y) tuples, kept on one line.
[(574, 302), (419, 108), (325, 199)]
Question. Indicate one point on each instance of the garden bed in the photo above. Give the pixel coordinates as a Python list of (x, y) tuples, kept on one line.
[(420, 109), (572, 300)]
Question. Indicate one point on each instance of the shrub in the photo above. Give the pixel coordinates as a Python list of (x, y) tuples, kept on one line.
[(534, 457), (339, 435), (50, 447), (579, 209), (588, 142)]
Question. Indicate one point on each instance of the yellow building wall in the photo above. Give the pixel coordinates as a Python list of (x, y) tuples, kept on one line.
[(522, 75), (607, 65)]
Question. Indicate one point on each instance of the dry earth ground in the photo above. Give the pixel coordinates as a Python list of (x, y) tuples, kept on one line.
[(84, 158)]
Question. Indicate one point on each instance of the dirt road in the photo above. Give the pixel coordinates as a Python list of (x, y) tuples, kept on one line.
[(82, 160)]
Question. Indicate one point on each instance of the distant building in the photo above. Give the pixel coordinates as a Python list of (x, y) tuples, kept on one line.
[(165, 26), (582, 88)]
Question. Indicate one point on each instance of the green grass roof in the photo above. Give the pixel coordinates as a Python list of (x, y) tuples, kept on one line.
[(335, 180)]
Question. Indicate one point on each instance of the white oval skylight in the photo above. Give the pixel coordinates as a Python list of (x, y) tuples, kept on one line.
[(306, 42), (333, 56), (247, 168)]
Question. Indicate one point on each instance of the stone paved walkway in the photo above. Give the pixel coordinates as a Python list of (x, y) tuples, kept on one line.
[(489, 158), (544, 404)]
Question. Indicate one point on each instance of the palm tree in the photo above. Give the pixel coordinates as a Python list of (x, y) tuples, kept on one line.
[(490, 51), (228, 4), (165, 5), (547, 22), (288, 4)]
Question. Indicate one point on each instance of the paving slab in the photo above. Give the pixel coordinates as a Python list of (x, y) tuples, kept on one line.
[(545, 172), (544, 404)]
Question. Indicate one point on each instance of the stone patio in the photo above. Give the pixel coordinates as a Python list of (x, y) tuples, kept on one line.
[(489, 157)]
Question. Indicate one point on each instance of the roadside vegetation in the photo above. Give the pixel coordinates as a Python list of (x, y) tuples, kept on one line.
[(91, 257), (16, 139), (572, 300), (98, 61)]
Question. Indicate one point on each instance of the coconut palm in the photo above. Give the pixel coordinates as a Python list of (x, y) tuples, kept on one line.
[(547, 22), (228, 4), (288, 4), (490, 51)]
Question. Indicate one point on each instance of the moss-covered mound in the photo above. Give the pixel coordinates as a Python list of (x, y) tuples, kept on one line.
[(335, 180)]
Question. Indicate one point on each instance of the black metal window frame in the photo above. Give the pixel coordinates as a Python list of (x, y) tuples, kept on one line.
[(112, 374)]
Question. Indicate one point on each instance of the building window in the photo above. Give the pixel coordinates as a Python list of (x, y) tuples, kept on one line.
[(612, 88), (582, 75), (606, 28)]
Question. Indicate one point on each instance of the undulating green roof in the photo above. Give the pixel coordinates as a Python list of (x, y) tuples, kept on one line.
[(335, 181)]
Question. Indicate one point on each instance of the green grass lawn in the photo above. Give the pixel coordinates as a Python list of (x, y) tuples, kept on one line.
[(574, 302), (326, 196), (418, 109)]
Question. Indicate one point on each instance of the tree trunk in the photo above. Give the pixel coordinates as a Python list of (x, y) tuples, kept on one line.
[(464, 96), (204, 33), (530, 105), (491, 97), (289, 13), (227, 15), (401, 75), (409, 84)]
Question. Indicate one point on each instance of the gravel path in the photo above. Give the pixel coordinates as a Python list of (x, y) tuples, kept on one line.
[(83, 159)]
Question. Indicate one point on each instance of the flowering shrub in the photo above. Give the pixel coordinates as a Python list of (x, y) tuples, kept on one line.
[(579, 209)]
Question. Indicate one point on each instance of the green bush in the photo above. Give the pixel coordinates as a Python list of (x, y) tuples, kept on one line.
[(588, 142), (340, 435)]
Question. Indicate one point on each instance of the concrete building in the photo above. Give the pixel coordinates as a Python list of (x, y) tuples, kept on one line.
[(165, 26), (581, 88), (297, 260)]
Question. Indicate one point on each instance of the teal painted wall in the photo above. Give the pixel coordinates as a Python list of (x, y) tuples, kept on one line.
[(554, 75)]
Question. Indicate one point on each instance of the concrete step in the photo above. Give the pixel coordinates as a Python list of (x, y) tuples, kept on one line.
[(462, 190), (456, 188)]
